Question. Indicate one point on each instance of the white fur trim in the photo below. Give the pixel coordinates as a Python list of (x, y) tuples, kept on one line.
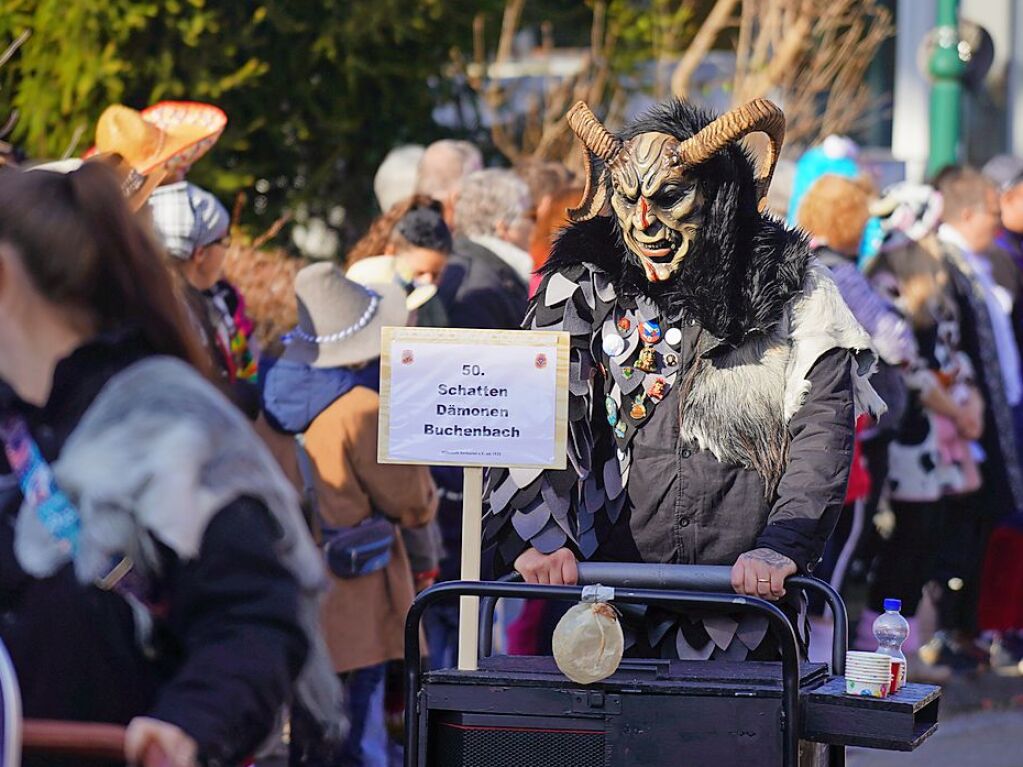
[(819, 321)]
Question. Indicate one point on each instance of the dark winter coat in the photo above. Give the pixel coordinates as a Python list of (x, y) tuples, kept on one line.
[(479, 290), (228, 641), (337, 410), (1001, 471)]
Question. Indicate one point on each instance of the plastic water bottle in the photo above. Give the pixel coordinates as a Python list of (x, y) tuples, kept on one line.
[(891, 630)]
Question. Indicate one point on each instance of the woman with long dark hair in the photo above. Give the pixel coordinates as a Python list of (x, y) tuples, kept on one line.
[(154, 568)]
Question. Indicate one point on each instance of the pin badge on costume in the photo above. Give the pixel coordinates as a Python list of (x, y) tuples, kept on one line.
[(620, 429), (612, 410), (658, 389), (625, 324), (638, 411), (627, 372), (647, 361), (671, 360), (673, 337), (650, 332), (613, 345)]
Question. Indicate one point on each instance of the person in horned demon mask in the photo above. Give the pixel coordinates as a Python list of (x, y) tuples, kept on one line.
[(715, 377)]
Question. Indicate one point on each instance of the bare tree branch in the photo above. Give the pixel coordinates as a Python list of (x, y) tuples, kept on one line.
[(509, 27), (72, 145), (13, 47), (720, 16)]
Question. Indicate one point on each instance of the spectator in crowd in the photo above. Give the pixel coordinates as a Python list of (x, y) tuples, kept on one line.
[(193, 227), (147, 469), (1006, 172), (485, 282), (969, 225), (395, 179), (414, 258), (933, 479), (551, 218), (544, 178), (442, 168), (546, 181), (1001, 603), (834, 212), (171, 137), (325, 387), (377, 238), (971, 220)]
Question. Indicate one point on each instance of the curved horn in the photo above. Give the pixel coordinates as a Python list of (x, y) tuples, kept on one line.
[(595, 137), (601, 145), (759, 115), (594, 195)]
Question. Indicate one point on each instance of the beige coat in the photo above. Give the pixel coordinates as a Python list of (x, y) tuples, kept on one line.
[(363, 618)]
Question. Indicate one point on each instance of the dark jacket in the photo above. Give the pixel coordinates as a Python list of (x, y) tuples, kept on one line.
[(686, 507), (680, 504), (1001, 470), (227, 638), (479, 290)]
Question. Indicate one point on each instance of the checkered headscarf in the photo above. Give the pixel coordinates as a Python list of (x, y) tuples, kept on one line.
[(187, 218)]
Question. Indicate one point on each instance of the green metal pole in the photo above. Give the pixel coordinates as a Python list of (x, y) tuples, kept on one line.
[(946, 89)]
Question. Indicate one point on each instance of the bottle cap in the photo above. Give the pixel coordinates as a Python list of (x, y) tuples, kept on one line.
[(893, 604)]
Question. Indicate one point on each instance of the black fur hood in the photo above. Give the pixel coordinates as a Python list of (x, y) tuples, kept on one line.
[(743, 268)]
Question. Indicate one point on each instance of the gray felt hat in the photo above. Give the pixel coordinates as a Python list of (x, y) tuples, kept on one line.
[(339, 320)]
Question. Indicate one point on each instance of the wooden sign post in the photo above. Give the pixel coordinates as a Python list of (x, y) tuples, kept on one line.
[(473, 398)]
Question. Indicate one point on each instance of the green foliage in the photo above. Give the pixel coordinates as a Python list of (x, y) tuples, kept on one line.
[(316, 91)]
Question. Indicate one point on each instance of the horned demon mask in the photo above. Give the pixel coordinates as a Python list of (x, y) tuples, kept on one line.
[(652, 182)]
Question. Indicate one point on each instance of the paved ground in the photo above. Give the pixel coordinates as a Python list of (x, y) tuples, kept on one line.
[(981, 726), (979, 739)]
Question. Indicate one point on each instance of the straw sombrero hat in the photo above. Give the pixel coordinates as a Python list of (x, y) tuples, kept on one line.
[(170, 134), (378, 270), (339, 320), (136, 186)]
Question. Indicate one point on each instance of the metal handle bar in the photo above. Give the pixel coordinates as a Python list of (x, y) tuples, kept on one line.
[(703, 578), (82, 739), (777, 622)]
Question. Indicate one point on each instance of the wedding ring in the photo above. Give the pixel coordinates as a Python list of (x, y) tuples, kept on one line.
[(763, 580)]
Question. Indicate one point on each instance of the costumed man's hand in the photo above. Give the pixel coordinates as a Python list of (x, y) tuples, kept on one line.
[(557, 569), (762, 573), (152, 743)]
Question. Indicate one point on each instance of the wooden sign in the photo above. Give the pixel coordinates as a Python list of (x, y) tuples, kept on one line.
[(473, 398)]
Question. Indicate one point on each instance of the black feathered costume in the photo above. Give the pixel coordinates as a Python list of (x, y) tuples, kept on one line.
[(711, 407)]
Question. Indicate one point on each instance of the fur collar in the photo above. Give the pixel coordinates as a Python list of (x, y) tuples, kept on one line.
[(736, 286)]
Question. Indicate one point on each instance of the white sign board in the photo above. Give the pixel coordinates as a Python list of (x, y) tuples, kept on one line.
[(474, 397)]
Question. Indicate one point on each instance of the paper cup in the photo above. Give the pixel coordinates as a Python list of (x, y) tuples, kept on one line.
[(868, 662), (867, 689), (885, 669), (868, 658)]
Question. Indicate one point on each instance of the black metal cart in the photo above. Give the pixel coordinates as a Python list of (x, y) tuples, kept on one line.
[(521, 711)]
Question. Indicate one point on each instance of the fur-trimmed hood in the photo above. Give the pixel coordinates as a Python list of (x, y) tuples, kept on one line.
[(743, 268)]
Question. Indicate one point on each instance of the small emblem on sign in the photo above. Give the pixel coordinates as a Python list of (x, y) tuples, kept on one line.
[(407, 358), (541, 361)]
